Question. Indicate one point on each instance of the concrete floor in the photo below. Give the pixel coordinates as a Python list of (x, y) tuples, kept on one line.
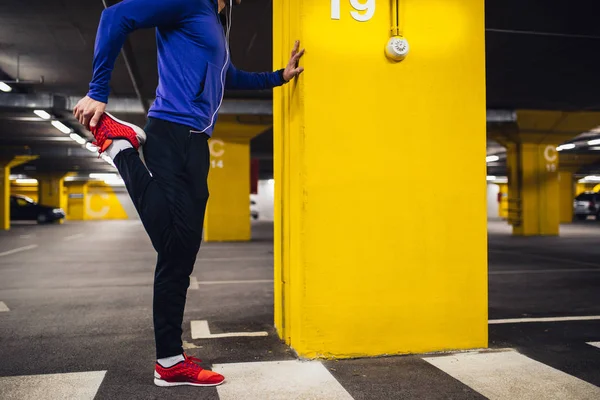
[(79, 301)]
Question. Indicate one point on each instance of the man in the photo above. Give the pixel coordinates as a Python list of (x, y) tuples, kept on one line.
[(170, 192)]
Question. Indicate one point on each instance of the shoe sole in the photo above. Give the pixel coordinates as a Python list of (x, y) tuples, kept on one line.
[(139, 132), (163, 383)]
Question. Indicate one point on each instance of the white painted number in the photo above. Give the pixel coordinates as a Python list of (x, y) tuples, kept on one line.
[(362, 11), (217, 163), (369, 7), (551, 167), (335, 9)]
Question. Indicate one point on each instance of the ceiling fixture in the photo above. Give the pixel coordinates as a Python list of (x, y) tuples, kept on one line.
[(61, 127), (78, 138), (492, 159), (594, 142), (42, 114), (5, 88), (562, 147)]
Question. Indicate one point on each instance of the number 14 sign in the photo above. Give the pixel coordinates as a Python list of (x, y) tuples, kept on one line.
[(362, 11)]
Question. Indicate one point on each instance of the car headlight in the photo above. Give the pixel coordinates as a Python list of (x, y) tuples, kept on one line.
[(57, 211)]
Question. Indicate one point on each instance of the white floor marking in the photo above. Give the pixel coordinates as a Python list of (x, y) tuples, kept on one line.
[(73, 237), (3, 307), (543, 271), (69, 386), (235, 282), (510, 375), (269, 258), (595, 344), (279, 380), (25, 236), (548, 319), (193, 283), (200, 330), (541, 257), (190, 345), (18, 250)]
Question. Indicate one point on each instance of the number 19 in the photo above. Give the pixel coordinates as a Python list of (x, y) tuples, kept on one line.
[(368, 7)]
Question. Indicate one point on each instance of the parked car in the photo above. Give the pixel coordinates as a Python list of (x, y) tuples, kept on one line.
[(22, 208), (587, 204), (253, 210)]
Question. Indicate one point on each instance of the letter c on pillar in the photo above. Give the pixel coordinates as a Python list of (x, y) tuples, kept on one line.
[(213, 151)]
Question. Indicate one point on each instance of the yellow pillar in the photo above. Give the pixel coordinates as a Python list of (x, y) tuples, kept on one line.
[(77, 199), (363, 266), (228, 211), (51, 191), (533, 189), (567, 196), (503, 206), (5, 167)]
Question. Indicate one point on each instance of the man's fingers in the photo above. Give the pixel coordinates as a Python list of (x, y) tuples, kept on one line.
[(95, 118), (296, 47)]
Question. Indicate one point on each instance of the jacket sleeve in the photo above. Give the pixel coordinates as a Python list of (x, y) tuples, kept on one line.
[(119, 21), (242, 80)]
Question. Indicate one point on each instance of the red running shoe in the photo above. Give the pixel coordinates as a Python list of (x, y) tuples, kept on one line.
[(186, 372), (110, 128)]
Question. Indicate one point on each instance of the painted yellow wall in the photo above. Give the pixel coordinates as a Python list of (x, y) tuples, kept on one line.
[(367, 262), (567, 195), (29, 190), (228, 211), (503, 206), (586, 187), (102, 203)]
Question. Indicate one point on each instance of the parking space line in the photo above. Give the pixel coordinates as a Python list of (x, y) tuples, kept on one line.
[(548, 319), (235, 282), (193, 283), (264, 258), (73, 237), (73, 386), (543, 271), (290, 380), (18, 250), (3, 307), (595, 344), (548, 258), (200, 330), (510, 375)]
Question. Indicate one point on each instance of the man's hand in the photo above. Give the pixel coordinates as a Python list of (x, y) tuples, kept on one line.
[(292, 70), (88, 112)]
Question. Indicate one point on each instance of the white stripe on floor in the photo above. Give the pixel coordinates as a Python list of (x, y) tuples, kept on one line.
[(549, 319), (69, 386), (18, 250), (235, 282), (279, 380), (73, 237), (595, 344), (200, 330), (3, 307), (510, 375), (269, 258), (544, 271), (542, 257), (193, 283)]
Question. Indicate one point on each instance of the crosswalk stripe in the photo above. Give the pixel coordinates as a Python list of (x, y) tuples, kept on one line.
[(289, 380), (510, 375), (3, 307), (68, 386), (595, 344)]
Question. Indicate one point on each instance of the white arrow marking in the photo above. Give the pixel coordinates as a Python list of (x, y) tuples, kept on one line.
[(200, 330)]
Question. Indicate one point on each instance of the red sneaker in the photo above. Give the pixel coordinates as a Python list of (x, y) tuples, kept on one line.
[(110, 128), (186, 372)]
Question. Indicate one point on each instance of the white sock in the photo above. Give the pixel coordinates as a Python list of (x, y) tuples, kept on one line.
[(170, 361), (117, 146)]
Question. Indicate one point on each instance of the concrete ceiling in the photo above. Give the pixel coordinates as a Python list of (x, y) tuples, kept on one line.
[(541, 54)]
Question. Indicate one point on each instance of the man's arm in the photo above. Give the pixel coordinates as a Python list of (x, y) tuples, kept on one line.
[(119, 21), (237, 79), (242, 80)]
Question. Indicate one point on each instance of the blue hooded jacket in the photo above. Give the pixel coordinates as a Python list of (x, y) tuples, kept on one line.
[(194, 65)]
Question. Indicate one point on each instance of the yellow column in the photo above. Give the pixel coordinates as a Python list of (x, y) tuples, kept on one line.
[(533, 189), (228, 211), (51, 191), (77, 199), (567, 196), (503, 206), (364, 266), (5, 166)]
